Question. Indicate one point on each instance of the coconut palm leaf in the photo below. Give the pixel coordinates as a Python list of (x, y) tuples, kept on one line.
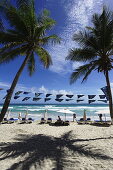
[(11, 54), (54, 39), (84, 70), (84, 54), (44, 56), (44, 19), (22, 4)]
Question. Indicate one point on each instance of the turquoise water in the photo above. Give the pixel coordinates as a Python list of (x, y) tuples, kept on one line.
[(38, 111)]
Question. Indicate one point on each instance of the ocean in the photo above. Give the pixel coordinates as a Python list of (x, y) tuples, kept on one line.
[(51, 110)]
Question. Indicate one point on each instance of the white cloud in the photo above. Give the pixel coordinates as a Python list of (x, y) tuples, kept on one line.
[(54, 92), (78, 15), (3, 84), (43, 90)]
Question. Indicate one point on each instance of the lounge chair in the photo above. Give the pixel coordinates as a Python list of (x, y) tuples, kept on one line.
[(59, 123), (66, 123), (88, 121), (30, 120), (5, 120), (101, 123), (42, 121), (11, 120), (23, 120), (49, 120), (81, 121)]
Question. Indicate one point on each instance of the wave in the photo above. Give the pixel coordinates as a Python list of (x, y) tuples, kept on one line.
[(8, 107)]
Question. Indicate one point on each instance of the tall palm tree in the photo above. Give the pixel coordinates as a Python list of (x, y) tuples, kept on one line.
[(26, 35), (95, 51)]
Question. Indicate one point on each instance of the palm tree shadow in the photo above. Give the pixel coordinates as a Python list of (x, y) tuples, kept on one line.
[(37, 148)]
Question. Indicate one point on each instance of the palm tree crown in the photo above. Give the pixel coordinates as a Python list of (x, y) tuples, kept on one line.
[(27, 34), (96, 47)]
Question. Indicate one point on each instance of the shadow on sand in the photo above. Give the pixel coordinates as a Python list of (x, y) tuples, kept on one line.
[(37, 148)]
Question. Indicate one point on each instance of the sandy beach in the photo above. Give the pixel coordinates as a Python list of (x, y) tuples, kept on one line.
[(43, 147)]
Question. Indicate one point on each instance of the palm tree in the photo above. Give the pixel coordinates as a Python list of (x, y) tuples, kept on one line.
[(25, 36), (95, 51)]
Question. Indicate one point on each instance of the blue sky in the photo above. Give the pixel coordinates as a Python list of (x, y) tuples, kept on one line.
[(71, 16)]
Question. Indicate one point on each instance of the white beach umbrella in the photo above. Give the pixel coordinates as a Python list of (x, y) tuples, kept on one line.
[(65, 111)]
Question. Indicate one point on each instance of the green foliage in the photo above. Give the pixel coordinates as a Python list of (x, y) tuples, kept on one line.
[(96, 47), (26, 33), (31, 64)]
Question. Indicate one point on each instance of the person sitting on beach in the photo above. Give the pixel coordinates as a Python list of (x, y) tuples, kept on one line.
[(59, 119), (59, 122)]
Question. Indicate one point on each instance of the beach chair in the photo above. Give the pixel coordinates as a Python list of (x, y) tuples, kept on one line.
[(42, 121), (101, 123), (59, 123), (23, 120), (11, 120), (88, 121), (66, 123), (81, 121), (5, 120), (49, 120), (30, 120)]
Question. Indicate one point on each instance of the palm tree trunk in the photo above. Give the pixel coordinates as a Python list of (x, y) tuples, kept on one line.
[(11, 90), (110, 96)]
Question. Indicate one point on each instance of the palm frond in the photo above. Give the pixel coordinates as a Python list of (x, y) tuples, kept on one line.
[(44, 56), (10, 46), (9, 55), (83, 70), (81, 54), (31, 64), (87, 40), (44, 19), (22, 4), (15, 18), (93, 67), (54, 39), (7, 37)]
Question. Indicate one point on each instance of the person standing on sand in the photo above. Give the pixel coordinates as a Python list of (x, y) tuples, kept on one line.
[(100, 117), (74, 117), (19, 116)]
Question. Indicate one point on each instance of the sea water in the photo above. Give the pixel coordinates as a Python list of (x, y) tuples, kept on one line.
[(52, 110)]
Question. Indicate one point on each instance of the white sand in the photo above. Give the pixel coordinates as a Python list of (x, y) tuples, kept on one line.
[(44, 147)]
